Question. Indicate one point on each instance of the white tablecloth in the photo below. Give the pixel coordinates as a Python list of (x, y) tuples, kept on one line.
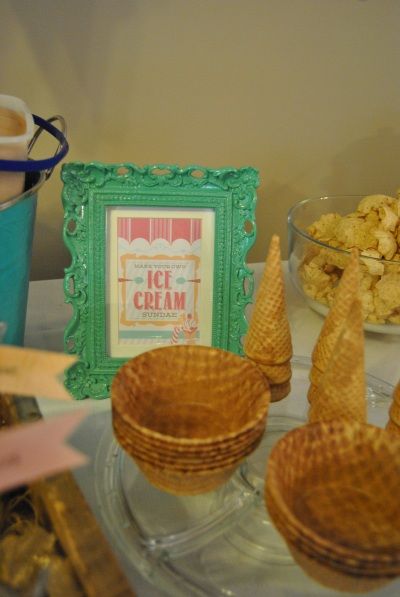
[(46, 320), (48, 315)]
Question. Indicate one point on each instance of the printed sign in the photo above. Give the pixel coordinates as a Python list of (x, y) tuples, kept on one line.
[(159, 294), (163, 282)]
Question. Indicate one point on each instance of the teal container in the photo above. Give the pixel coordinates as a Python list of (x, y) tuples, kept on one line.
[(17, 221)]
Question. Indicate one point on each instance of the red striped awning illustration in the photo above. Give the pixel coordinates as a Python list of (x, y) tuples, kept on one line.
[(150, 229)]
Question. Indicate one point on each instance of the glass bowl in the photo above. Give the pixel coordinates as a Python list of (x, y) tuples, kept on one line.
[(321, 232)]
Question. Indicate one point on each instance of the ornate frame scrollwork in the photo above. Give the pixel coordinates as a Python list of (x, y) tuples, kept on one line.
[(92, 188)]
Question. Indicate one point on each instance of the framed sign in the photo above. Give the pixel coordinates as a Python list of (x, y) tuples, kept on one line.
[(158, 257)]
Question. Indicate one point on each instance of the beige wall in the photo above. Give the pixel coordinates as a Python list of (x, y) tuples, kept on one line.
[(307, 91)]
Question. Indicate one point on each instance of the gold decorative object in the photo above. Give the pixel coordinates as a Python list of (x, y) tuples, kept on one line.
[(50, 542)]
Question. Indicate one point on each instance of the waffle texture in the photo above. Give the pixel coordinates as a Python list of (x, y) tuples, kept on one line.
[(188, 415), (268, 340), (331, 492), (341, 392), (393, 424), (347, 291)]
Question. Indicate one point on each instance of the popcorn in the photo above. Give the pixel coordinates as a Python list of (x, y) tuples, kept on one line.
[(368, 306), (389, 219), (324, 229), (387, 244), (374, 202), (374, 229), (356, 232)]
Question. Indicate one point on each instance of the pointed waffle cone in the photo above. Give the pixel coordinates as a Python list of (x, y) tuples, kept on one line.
[(315, 375), (346, 292), (268, 339), (276, 374), (392, 427), (280, 391), (331, 491), (341, 392), (312, 392), (394, 412), (396, 394)]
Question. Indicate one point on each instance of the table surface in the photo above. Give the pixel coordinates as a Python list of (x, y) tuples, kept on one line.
[(48, 315)]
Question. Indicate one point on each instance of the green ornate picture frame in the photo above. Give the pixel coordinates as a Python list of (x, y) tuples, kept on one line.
[(158, 256)]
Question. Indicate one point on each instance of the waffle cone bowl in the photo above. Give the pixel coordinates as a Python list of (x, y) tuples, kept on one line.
[(331, 492), (180, 483), (335, 556), (208, 455), (180, 445), (188, 415), (183, 461), (329, 577), (196, 465)]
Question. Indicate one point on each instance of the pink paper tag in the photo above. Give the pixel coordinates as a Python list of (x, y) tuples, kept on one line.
[(32, 372), (33, 450)]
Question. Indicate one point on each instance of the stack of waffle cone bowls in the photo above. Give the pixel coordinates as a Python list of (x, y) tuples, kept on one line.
[(188, 415), (332, 492)]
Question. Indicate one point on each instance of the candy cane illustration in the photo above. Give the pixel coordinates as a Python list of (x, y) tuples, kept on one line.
[(189, 329), (175, 334)]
